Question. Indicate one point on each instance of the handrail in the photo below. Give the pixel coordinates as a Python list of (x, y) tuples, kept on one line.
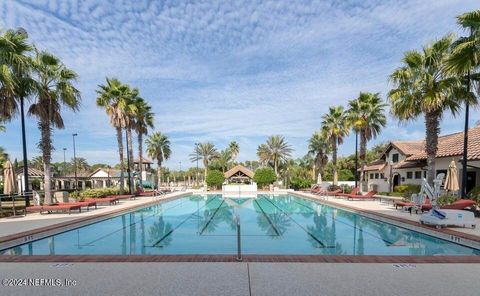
[(236, 219)]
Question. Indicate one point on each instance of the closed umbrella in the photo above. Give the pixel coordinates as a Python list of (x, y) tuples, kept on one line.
[(319, 178), (451, 182), (9, 186)]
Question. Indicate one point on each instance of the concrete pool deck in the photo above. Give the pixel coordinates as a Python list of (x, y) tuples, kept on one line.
[(243, 279)]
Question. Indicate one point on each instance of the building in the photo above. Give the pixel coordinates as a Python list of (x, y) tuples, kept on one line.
[(405, 162), (239, 179)]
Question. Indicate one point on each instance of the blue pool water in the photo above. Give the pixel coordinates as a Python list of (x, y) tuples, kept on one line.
[(205, 224)]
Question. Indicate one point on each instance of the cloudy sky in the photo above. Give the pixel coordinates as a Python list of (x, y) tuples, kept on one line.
[(227, 70)]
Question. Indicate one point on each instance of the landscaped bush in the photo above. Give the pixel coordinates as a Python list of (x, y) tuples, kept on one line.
[(264, 177), (446, 199), (215, 178), (407, 189), (300, 183), (474, 194), (345, 175), (95, 193)]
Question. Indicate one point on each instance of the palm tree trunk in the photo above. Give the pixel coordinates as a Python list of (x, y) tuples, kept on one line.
[(140, 158), (314, 170), (159, 175), (432, 124), (46, 147), (334, 161), (275, 165), (120, 153), (362, 156), (205, 170), (130, 156)]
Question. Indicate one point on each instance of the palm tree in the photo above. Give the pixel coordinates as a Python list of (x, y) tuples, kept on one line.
[(36, 163), (224, 159), (422, 88), (205, 152), (143, 121), (318, 148), (54, 89), (15, 67), (276, 149), (158, 147), (335, 128), (113, 96), (234, 149), (367, 117), (3, 157), (132, 97)]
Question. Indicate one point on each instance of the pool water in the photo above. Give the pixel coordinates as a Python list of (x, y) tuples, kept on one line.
[(205, 224)]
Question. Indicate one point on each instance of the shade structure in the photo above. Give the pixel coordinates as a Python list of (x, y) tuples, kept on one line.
[(319, 178), (10, 185), (451, 182)]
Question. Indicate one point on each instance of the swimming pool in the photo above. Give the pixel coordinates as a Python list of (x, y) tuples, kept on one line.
[(205, 224)]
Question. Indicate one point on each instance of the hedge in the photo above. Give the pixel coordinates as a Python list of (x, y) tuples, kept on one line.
[(264, 176), (215, 178)]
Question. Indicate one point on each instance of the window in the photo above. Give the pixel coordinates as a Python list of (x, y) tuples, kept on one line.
[(376, 175), (418, 175), (395, 157), (424, 174), (409, 175), (382, 176), (371, 176)]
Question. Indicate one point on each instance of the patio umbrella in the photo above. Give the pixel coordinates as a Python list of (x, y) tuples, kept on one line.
[(319, 178), (451, 182), (9, 186)]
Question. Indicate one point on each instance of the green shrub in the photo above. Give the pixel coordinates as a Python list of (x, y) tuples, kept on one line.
[(407, 189), (96, 193), (300, 183), (345, 175), (215, 178), (264, 176), (446, 199), (474, 194)]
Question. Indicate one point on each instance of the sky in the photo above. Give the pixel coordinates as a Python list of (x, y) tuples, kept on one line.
[(220, 71)]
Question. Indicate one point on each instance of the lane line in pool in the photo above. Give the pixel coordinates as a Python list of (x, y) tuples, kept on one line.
[(180, 224), (214, 213), (299, 225), (352, 226), (91, 243), (268, 218)]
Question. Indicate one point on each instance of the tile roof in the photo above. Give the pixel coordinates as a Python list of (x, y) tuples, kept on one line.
[(452, 145), (405, 164), (409, 147), (377, 165)]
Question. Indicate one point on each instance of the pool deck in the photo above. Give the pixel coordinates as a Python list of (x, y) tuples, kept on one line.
[(245, 279)]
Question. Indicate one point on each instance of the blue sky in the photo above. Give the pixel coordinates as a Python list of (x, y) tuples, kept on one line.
[(227, 70)]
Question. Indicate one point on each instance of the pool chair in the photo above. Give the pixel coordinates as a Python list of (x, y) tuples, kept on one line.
[(105, 200), (354, 191), (141, 192), (460, 204), (368, 195), (123, 196), (410, 206), (83, 204), (55, 208)]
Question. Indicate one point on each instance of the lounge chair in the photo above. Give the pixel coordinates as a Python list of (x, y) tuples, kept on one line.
[(460, 204), (368, 195), (408, 205), (55, 208), (123, 196), (84, 204), (354, 191), (104, 200)]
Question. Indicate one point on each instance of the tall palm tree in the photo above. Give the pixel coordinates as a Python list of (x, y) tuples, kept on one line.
[(15, 67), (54, 90), (158, 147), (318, 148), (334, 128), (132, 97), (224, 159), (205, 152), (367, 117), (234, 149), (3, 157), (422, 88), (114, 97), (143, 121), (276, 149)]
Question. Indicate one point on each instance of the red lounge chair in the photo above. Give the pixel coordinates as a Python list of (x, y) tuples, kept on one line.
[(55, 208), (105, 200), (425, 207), (368, 195), (354, 191), (331, 193), (460, 204), (84, 204), (124, 196)]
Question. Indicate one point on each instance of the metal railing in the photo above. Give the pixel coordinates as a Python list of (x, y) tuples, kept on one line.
[(236, 219)]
